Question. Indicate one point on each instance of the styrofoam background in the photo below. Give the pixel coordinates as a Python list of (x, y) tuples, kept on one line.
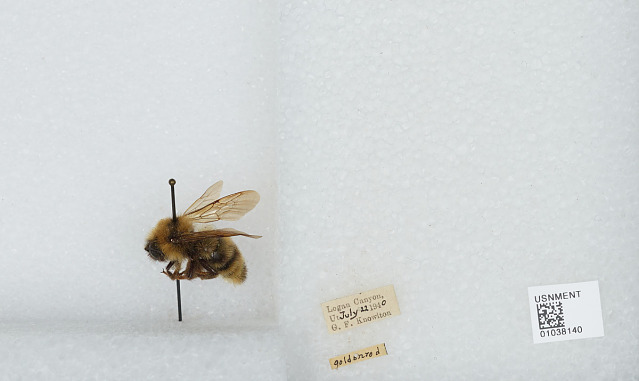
[(462, 152)]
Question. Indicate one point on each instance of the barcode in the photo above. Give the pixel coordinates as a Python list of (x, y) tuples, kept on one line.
[(550, 315)]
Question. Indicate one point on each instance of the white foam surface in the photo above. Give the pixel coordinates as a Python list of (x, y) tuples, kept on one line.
[(461, 152)]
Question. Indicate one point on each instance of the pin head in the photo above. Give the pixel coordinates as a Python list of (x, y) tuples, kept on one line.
[(171, 181)]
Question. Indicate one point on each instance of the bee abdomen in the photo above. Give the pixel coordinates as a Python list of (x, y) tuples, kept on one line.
[(236, 274), (232, 267)]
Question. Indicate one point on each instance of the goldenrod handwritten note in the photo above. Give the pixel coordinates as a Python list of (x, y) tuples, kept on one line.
[(357, 356)]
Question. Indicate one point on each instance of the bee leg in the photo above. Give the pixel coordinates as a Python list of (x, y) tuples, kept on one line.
[(171, 275), (209, 268), (167, 270), (176, 274), (178, 267), (190, 269), (209, 273), (199, 271)]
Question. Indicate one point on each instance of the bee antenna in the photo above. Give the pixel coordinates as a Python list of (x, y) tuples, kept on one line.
[(177, 281)]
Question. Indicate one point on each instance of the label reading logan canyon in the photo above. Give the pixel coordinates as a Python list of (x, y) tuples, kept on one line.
[(355, 310)]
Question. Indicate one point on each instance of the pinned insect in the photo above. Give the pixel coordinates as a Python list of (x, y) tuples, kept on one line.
[(208, 252)]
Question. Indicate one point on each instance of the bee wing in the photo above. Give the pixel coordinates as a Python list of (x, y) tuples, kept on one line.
[(211, 194), (213, 233), (229, 208)]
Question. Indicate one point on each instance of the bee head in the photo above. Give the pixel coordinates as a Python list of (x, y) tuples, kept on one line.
[(154, 251)]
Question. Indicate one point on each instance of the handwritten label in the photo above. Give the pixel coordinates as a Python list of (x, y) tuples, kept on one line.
[(357, 356), (359, 309), (565, 312)]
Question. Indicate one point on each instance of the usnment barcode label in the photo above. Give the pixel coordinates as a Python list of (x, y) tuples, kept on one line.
[(565, 312)]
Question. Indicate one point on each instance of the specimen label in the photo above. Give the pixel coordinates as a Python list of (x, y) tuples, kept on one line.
[(565, 312), (357, 356), (359, 309)]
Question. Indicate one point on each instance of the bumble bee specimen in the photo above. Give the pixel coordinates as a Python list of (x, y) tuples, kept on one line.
[(208, 252)]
